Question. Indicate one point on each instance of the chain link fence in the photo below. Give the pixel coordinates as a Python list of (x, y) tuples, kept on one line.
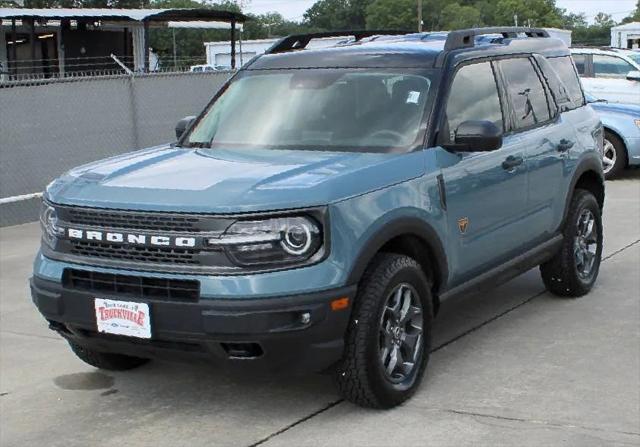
[(49, 126)]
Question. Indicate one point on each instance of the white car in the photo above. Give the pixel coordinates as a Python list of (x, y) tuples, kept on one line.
[(609, 74)]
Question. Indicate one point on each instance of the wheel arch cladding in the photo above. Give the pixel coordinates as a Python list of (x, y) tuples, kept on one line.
[(588, 175), (410, 236)]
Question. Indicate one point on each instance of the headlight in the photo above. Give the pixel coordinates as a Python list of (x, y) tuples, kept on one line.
[(285, 240), (637, 122), (49, 224)]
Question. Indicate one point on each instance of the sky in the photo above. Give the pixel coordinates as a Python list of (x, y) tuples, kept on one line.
[(294, 9)]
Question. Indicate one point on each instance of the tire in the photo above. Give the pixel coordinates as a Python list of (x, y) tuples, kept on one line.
[(614, 157), (566, 273), (104, 360), (362, 375)]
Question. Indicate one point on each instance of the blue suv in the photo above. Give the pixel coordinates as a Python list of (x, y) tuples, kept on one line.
[(325, 203)]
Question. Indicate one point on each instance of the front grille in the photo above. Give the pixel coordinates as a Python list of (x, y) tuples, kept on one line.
[(134, 286), (101, 218), (166, 255)]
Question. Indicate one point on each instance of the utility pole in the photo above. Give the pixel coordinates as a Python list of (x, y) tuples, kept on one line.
[(515, 19), (175, 53), (419, 16)]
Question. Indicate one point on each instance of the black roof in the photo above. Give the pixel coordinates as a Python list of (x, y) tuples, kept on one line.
[(369, 49)]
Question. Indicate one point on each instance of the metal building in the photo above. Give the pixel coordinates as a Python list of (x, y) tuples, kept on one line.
[(49, 42)]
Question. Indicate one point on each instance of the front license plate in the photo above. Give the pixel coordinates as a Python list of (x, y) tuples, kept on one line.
[(123, 318)]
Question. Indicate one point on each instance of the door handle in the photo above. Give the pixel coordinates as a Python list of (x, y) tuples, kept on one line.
[(511, 162), (564, 145)]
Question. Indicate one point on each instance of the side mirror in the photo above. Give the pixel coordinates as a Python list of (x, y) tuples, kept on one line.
[(633, 75), (477, 136), (183, 125)]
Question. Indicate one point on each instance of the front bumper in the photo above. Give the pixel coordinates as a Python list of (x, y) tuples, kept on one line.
[(269, 333), (633, 150)]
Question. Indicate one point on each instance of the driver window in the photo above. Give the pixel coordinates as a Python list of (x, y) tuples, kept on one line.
[(473, 96), (610, 66)]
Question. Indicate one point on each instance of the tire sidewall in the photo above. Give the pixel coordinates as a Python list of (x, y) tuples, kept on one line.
[(388, 392), (585, 201), (621, 155)]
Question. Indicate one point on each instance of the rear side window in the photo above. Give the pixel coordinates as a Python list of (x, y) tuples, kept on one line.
[(581, 63), (610, 66), (527, 95), (473, 96), (567, 74)]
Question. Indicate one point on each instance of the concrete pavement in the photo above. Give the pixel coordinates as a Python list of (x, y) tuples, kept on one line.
[(514, 366)]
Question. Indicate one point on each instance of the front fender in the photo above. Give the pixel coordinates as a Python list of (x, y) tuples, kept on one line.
[(407, 222)]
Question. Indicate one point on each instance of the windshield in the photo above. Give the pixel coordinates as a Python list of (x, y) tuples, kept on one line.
[(355, 110), (634, 56)]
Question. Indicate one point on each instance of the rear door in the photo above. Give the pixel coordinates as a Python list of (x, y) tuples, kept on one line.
[(545, 137), (485, 191)]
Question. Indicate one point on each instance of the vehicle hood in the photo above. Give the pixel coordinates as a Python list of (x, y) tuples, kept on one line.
[(628, 109), (230, 180)]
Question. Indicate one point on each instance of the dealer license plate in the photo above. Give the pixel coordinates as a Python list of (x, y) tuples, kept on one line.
[(123, 318)]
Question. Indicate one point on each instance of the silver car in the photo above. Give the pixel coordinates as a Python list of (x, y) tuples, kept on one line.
[(608, 74), (621, 135)]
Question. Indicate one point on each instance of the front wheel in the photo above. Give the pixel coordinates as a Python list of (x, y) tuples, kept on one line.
[(574, 269), (389, 337)]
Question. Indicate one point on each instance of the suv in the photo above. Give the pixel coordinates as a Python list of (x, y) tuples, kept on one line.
[(608, 74), (325, 203)]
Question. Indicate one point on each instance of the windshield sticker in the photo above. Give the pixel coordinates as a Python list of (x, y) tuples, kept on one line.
[(413, 97)]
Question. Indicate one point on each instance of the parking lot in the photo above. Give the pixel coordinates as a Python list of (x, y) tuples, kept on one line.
[(514, 366)]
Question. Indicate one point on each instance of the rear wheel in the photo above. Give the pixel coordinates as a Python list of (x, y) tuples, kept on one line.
[(614, 156), (104, 360), (574, 269), (389, 337)]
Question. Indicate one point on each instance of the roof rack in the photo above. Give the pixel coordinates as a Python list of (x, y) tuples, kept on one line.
[(465, 38), (300, 41)]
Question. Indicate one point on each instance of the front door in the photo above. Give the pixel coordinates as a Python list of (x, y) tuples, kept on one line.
[(485, 191)]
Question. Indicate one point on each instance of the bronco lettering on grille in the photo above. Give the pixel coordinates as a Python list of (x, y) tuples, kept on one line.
[(131, 239)]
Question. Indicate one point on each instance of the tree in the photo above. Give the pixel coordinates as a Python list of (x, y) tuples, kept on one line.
[(271, 24), (455, 16), (597, 34), (328, 14), (573, 21), (635, 15), (337, 14), (530, 12), (392, 14), (189, 42), (604, 20)]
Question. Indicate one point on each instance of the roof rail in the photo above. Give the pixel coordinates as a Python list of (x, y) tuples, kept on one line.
[(464, 38), (300, 41)]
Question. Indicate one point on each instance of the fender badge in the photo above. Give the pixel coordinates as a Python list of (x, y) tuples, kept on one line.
[(463, 224)]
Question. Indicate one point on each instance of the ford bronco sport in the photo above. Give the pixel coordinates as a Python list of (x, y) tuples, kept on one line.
[(325, 203)]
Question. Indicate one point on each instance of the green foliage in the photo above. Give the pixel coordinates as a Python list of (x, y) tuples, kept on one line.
[(456, 16), (635, 15), (542, 13), (189, 42), (337, 14), (269, 25), (392, 14)]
